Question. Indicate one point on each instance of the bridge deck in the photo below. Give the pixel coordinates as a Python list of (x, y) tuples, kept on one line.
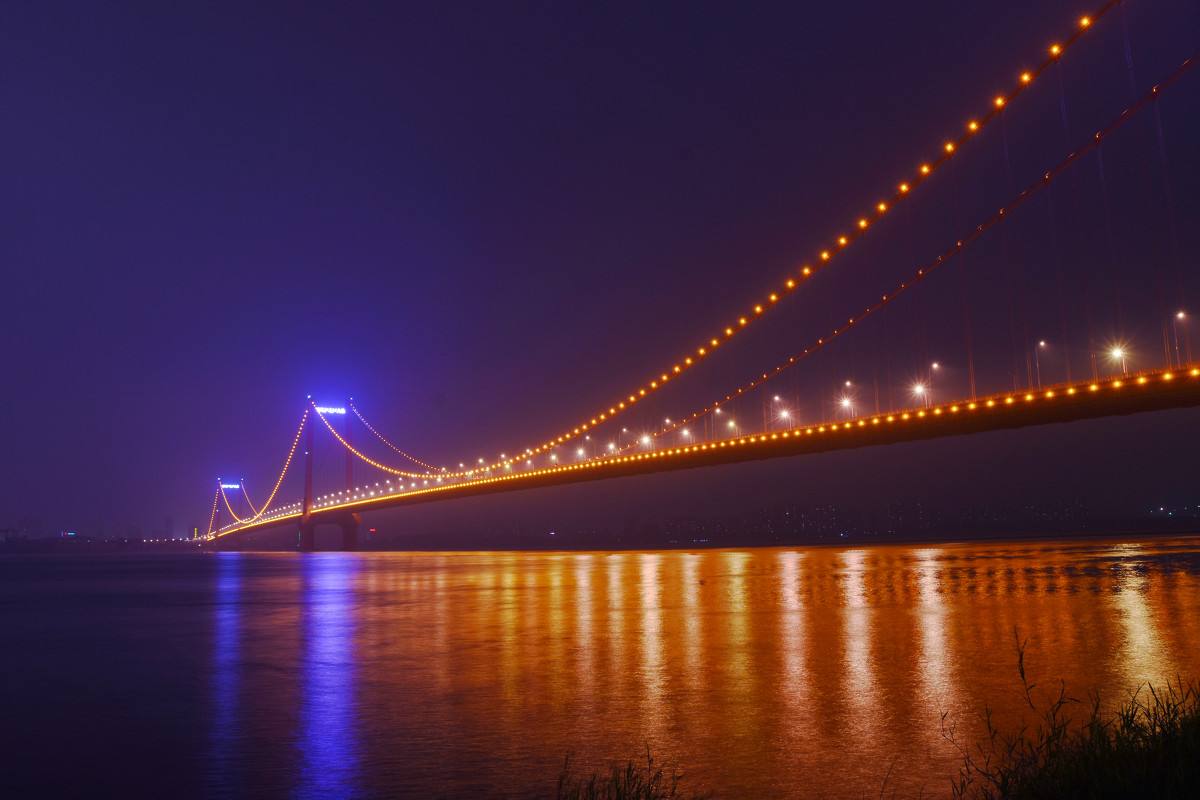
[(1149, 391)]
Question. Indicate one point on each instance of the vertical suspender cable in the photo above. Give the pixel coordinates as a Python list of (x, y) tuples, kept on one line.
[(1113, 259), (1012, 296), (1163, 310), (1054, 238), (964, 295)]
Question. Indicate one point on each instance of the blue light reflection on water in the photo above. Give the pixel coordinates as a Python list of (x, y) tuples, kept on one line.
[(327, 721), (226, 664)]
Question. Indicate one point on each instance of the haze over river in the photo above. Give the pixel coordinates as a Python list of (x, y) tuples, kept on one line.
[(761, 672)]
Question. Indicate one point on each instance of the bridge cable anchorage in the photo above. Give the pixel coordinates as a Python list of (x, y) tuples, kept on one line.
[(278, 482), (1004, 213), (823, 257), (383, 439)]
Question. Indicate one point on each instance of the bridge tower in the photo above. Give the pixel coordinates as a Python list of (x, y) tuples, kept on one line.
[(349, 441), (306, 539), (350, 521), (347, 521)]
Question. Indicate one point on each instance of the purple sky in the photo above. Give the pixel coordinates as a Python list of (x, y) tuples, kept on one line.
[(485, 221)]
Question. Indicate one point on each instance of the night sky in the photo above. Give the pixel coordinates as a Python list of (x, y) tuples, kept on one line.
[(486, 221)]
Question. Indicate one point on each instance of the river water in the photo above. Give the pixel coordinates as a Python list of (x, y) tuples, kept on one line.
[(817, 672)]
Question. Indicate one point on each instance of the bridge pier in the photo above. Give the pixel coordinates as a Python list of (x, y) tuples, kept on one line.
[(349, 525), (306, 540)]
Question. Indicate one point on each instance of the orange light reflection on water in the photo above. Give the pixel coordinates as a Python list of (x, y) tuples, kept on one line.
[(769, 672)]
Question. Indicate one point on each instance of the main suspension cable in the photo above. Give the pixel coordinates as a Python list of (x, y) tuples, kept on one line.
[(383, 439), (246, 495), (368, 460), (279, 481), (232, 513), (924, 272), (823, 257), (212, 518)]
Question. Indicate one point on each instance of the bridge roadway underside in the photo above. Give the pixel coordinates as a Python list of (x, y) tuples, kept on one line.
[(1157, 393), (348, 521)]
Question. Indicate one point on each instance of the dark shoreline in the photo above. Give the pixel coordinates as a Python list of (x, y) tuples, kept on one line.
[(99, 547)]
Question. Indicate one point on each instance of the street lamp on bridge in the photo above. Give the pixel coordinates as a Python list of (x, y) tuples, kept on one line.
[(1119, 354)]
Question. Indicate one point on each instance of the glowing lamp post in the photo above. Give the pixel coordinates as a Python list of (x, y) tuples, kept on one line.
[(921, 392), (1179, 318), (1118, 355), (1037, 362)]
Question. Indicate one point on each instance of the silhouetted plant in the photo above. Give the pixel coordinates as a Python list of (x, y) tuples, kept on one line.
[(633, 781), (1148, 747)]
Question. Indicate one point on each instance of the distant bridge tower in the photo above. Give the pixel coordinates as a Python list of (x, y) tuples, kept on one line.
[(216, 519)]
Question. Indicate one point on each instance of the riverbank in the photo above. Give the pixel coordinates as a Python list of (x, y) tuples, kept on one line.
[(1148, 747)]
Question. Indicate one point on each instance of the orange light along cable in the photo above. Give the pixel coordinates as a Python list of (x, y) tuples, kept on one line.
[(246, 495), (367, 459), (279, 481), (383, 439), (807, 271), (442, 474), (212, 518), (988, 404), (236, 518), (960, 244), (824, 256)]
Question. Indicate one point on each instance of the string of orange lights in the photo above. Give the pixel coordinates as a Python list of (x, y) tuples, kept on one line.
[(822, 260), (367, 459), (229, 507), (384, 439), (948, 254), (279, 481), (246, 495), (920, 275), (825, 256), (212, 518), (1000, 403)]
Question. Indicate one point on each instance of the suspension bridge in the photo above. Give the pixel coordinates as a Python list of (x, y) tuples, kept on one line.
[(1120, 344)]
